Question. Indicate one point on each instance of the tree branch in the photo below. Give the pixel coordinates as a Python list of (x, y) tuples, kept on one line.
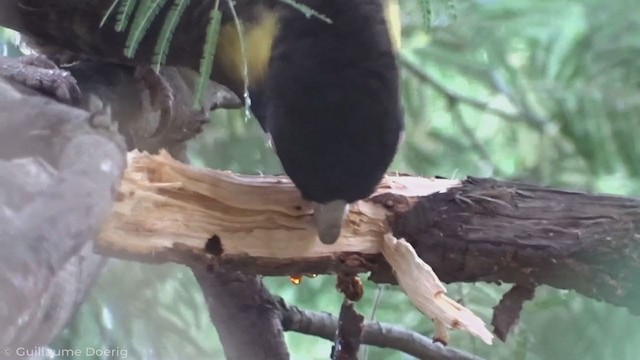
[(348, 335), (473, 230), (507, 312), (378, 334), (60, 167), (244, 314), (450, 95), (529, 235)]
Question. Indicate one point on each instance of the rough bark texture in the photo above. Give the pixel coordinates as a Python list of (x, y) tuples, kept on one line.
[(325, 325), (349, 334), (244, 314), (60, 167), (507, 313), (529, 235)]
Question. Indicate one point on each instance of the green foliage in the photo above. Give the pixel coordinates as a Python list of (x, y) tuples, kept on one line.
[(448, 7), (144, 15), (147, 10), (206, 63), (309, 12), (166, 34), (245, 67), (425, 6), (8, 43), (124, 13), (150, 311)]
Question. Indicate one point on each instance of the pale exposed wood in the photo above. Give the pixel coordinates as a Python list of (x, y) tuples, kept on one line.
[(166, 206), (427, 293)]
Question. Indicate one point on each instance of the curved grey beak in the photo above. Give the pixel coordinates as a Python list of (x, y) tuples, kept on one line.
[(329, 218)]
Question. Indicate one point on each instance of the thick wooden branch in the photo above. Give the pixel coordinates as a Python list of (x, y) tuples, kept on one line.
[(492, 231), (472, 230), (245, 314), (59, 167), (255, 223), (263, 225)]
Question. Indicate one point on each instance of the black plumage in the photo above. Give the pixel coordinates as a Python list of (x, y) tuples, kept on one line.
[(330, 100)]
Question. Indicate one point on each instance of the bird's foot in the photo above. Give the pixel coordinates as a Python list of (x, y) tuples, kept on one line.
[(161, 95), (39, 73)]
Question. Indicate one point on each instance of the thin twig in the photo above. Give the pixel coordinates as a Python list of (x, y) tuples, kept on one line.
[(458, 119), (481, 105), (375, 333), (530, 116), (453, 101)]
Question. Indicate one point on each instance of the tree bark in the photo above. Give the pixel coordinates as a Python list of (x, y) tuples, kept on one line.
[(493, 231), (60, 167), (325, 325), (244, 314)]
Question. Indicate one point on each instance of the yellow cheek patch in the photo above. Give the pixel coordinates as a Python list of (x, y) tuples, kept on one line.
[(258, 38), (394, 24)]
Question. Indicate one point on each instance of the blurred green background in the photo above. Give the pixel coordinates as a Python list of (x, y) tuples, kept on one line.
[(544, 91)]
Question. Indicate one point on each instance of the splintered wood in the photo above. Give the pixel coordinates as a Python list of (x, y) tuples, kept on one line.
[(166, 209), (428, 294)]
